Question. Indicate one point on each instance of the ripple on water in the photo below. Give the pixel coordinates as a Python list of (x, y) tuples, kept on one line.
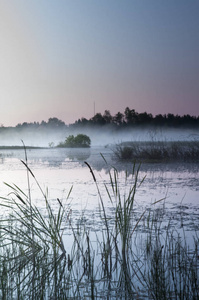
[(59, 169)]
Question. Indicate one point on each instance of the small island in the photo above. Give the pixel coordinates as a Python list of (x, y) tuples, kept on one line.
[(79, 141)]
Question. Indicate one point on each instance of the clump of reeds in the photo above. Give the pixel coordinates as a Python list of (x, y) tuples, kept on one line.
[(172, 266), (108, 263), (158, 151), (31, 245)]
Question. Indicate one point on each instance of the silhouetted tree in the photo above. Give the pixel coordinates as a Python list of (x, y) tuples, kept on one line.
[(159, 120), (170, 119), (55, 122), (130, 116), (98, 119), (43, 123), (107, 117), (118, 118), (144, 118), (84, 121)]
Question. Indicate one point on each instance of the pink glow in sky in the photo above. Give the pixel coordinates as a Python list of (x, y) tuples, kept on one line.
[(59, 57)]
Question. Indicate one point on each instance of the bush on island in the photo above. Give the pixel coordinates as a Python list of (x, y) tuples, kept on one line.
[(79, 141)]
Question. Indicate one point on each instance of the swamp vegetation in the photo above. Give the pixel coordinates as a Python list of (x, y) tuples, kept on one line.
[(46, 254), (158, 151), (79, 141)]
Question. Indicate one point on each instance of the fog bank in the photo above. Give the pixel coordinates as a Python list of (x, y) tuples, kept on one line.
[(100, 136)]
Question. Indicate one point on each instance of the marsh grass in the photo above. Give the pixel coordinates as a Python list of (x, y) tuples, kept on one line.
[(184, 151), (172, 265), (101, 264)]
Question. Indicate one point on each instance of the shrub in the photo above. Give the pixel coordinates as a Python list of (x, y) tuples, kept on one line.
[(81, 140)]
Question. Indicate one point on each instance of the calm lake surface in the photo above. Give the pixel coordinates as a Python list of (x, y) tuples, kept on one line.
[(57, 170)]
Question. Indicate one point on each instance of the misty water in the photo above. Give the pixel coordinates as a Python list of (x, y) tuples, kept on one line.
[(57, 170)]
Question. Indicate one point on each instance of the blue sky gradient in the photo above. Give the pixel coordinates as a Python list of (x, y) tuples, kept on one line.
[(59, 57)]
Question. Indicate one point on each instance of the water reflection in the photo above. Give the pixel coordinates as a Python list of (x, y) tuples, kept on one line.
[(99, 158), (52, 157), (59, 169)]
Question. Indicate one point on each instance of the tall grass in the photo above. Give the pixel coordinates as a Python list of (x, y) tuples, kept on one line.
[(105, 264), (172, 265), (29, 243), (158, 151)]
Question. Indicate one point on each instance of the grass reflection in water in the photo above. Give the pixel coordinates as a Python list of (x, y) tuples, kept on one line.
[(105, 264)]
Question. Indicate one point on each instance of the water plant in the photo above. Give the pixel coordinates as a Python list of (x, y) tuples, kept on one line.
[(105, 263), (28, 241), (160, 151)]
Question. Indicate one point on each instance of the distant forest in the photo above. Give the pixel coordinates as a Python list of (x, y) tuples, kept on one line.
[(127, 119)]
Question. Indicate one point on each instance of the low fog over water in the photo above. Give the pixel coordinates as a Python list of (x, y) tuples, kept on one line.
[(59, 169), (100, 136)]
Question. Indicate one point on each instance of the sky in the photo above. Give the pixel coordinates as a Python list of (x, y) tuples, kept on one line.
[(71, 58)]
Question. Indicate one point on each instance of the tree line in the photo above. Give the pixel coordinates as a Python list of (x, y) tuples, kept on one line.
[(128, 118)]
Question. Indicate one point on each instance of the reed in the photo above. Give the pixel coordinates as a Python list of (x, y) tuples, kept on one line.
[(29, 241), (172, 265), (105, 264), (160, 151)]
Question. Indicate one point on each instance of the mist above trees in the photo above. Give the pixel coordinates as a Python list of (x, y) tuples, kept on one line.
[(102, 129)]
